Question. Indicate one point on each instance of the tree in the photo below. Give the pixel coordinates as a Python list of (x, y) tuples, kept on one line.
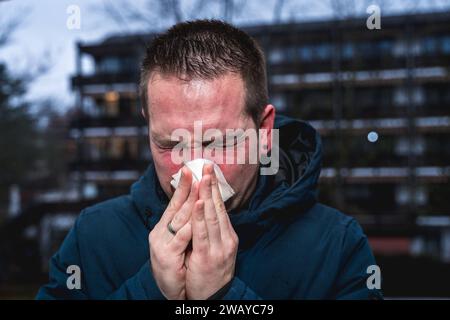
[(17, 132), (155, 14), (24, 146)]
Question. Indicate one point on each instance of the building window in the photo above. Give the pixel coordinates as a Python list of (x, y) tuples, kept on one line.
[(416, 48), (111, 65), (280, 55), (112, 103), (367, 49), (91, 107), (385, 47), (403, 146), (348, 50), (279, 101), (399, 48), (400, 96), (323, 51), (290, 54), (418, 95), (430, 45), (446, 45), (306, 53), (403, 195), (276, 56)]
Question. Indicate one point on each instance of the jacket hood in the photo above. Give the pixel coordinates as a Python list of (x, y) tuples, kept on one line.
[(288, 193)]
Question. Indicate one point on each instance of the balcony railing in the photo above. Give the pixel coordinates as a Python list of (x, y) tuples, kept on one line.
[(105, 78), (106, 165), (107, 121)]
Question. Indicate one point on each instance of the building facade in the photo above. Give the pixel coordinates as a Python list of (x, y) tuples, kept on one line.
[(379, 98)]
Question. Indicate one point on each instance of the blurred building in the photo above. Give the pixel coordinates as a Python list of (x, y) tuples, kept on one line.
[(379, 98), (109, 135), (381, 101)]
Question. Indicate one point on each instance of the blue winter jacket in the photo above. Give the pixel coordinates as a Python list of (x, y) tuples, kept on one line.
[(290, 246)]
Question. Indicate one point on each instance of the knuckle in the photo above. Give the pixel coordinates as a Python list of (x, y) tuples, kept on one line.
[(179, 273), (202, 235), (154, 250), (234, 243), (202, 254), (183, 237), (175, 224), (234, 237), (181, 216), (229, 250), (151, 237), (163, 260), (172, 205), (220, 206), (213, 220)]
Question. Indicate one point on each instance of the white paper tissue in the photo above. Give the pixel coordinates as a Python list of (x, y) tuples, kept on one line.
[(196, 167)]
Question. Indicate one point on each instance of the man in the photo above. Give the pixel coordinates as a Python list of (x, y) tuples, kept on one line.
[(271, 240)]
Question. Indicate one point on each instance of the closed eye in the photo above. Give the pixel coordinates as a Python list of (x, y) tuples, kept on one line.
[(168, 145), (227, 142)]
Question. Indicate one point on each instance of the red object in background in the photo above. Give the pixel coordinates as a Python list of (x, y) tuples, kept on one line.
[(390, 245)]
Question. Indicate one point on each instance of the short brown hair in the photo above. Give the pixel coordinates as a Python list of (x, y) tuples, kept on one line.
[(207, 49)]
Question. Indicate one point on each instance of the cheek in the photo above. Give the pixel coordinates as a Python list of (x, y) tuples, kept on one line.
[(164, 164), (238, 175)]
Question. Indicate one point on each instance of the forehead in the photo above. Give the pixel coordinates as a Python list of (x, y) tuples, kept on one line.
[(175, 103)]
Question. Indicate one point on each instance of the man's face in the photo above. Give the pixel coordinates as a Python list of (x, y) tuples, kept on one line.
[(218, 104)]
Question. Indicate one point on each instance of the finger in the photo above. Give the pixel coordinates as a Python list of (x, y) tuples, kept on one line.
[(200, 242), (181, 239), (207, 169), (184, 214), (179, 197), (211, 219), (222, 214), (187, 258)]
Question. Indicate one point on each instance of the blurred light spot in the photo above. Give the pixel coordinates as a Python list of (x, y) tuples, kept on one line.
[(372, 136), (111, 96)]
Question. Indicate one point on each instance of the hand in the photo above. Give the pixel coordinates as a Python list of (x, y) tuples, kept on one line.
[(167, 251), (211, 263)]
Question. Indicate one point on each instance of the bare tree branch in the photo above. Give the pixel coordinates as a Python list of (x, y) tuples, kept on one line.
[(278, 10), (199, 7), (170, 8), (7, 28)]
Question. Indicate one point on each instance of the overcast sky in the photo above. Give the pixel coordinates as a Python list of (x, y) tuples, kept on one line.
[(44, 36)]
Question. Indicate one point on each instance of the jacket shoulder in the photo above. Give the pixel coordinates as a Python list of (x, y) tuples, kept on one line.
[(107, 212), (325, 219)]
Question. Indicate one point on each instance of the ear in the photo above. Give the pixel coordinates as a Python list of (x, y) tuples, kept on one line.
[(267, 122)]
